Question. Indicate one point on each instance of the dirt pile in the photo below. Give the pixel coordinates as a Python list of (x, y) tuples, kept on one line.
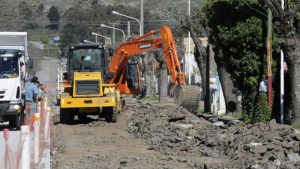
[(175, 131)]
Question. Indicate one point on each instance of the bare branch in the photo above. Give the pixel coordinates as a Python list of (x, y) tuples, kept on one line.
[(194, 35), (256, 10), (279, 8), (296, 10)]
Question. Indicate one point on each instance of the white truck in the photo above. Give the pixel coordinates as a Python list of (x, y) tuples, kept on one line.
[(13, 64)]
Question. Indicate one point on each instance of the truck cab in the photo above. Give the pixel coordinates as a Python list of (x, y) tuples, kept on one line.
[(14, 63), (11, 84)]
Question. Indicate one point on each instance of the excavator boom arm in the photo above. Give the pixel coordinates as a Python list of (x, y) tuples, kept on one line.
[(184, 95), (140, 45)]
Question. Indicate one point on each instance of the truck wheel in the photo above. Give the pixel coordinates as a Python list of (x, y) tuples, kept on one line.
[(66, 116), (58, 102), (16, 122), (110, 114)]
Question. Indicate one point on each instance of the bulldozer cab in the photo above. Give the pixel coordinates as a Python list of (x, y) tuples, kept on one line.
[(87, 58)]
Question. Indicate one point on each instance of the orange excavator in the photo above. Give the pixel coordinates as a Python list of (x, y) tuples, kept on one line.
[(126, 75)]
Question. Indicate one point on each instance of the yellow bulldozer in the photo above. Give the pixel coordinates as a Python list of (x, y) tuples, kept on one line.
[(83, 90)]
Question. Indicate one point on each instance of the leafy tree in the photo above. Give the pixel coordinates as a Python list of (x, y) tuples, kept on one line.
[(27, 16), (88, 19), (238, 41), (40, 9), (54, 17)]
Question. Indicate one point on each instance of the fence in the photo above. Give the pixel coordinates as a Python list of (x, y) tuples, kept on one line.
[(32, 139)]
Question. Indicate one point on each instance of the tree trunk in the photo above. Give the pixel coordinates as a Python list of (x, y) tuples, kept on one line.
[(147, 62), (201, 56), (292, 52), (227, 84), (163, 86), (202, 68)]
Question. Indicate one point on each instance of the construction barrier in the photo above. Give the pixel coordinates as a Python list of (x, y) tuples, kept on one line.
[(33, 137)]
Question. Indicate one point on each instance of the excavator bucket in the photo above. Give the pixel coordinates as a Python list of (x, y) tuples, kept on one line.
[(187, 96)]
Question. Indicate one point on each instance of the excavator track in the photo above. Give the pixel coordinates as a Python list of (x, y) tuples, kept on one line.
[(187, 96)]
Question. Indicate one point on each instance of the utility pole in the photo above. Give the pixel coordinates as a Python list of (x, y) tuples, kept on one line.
[(269, 58)]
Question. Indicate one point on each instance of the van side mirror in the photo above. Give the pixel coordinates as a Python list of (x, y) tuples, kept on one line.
[(28, 77)]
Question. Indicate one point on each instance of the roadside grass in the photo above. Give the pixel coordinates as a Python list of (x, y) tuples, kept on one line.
[(296, 126), (40, 37), (238, 116), (201, 112), (149, 99)]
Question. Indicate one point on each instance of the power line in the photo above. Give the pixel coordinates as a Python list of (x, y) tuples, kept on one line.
[(76, 21)]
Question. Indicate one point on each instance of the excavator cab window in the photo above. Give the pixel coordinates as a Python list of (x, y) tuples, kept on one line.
[(132, 75)]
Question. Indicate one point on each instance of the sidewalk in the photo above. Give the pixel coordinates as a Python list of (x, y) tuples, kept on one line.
[(46, 159)]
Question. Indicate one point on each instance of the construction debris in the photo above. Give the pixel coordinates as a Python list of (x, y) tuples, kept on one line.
[(174, 131)]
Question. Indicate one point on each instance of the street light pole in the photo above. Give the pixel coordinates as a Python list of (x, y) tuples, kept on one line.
[(124, 37), (140, 23), (189, 52), (97, 34), (142, 18)]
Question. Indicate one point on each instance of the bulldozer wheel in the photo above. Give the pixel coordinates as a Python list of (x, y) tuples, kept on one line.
[(110, 114), (66, 116)]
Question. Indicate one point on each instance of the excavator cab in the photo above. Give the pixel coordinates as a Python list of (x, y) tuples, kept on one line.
[(132, 71)]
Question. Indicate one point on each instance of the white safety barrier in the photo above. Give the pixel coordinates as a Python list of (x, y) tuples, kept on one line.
[(25, 147), (36, 138), (39, 108), (45, 104), (32, 141), (47, 121)]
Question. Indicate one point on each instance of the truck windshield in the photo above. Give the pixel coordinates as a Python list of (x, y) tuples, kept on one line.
[(9, 67), (91, 59)]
